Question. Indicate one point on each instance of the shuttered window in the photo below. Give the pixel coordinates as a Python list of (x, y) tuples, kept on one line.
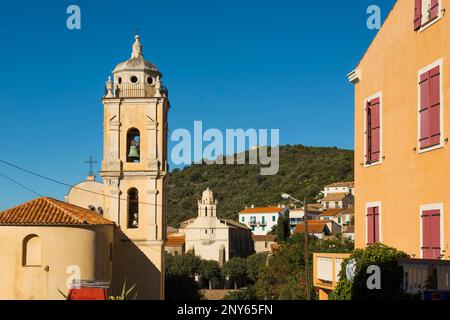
[(430, 108), (434, 9), (373, 131), (373, 225), (417, 14), (431, 234)]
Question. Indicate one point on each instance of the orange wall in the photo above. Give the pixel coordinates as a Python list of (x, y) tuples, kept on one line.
[(405, 179)]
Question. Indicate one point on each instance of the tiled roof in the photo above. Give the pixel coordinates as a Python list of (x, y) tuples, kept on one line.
[(270, 238), (314, 226), (331, 212), (175, 240), (335, 196), (349, 211), (48, 211), (349, 184), (261, 210)]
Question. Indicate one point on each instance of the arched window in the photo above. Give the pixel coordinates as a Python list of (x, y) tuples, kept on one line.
[(32, 251), (206, 211), (133, 145), (133, 208)]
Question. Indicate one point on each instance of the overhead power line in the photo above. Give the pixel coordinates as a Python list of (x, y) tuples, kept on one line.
[(84, 190)]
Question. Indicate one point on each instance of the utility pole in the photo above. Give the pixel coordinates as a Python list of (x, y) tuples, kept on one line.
[(306, 251)]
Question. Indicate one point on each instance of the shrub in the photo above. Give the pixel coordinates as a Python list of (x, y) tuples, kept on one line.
[(391, 275)]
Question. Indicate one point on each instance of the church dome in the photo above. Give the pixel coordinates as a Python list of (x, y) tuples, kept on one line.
[(136, 62), (208, 194)]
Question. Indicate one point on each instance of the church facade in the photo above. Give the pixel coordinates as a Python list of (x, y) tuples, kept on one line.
[(131, 201), (213, 238)]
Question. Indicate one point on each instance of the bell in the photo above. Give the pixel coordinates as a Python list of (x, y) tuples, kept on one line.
[(134, 152)]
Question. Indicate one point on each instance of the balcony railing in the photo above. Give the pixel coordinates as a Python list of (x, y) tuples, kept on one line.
[(326, 268), (419, 274)]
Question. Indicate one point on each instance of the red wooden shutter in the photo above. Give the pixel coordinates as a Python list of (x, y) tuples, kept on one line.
[(431, 234), (434, 8), (430, 108), (376, 223), (417, 14), (370, 227), (424, 111), (375, 130), (373, 225), (434, 105)]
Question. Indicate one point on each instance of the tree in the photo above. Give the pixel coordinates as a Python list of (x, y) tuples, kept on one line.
[(235, 269), (391, 274), (209, 270), (283, 277), (283, 226), (180, 272), (184, 265), (255, 265)]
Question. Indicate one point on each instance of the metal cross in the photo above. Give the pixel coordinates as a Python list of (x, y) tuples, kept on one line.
[(91, 162)]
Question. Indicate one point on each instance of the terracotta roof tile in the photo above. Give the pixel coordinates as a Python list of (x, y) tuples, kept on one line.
[(261, 210), (332, 212), (314, 226), (175, 240), (335, 196), (48, 211), (349, 184)]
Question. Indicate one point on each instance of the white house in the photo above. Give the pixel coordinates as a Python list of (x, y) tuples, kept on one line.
[(261, 220)]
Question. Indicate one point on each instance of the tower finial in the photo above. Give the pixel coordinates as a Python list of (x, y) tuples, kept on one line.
[(137, 47)]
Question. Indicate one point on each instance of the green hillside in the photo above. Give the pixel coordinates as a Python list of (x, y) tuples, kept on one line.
[(303, 170)]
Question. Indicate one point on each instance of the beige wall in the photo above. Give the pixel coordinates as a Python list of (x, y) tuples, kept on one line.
[(405, 179), (86, 247), (87, 193)]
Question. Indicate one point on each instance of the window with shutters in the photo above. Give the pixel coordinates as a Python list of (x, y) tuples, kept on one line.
[(373, 130), (373, 223), (430, 221), (426, 12), (430, 126)]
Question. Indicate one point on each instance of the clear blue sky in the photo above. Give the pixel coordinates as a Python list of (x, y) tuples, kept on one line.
[(233, 64)]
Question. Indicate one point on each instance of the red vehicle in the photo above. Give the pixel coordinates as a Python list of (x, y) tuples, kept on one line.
[(88, 290)]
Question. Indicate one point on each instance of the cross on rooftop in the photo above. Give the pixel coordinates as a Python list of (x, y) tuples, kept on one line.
[(91, 163)]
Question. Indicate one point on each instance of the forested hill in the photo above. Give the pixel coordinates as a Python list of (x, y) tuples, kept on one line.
[(303, 170)]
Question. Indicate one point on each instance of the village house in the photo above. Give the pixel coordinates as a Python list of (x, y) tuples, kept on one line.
[(401, 145), (319, 228), (261, 220)]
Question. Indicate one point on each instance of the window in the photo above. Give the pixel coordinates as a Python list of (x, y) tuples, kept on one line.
[(243, 219), (31, 251), (425, 12), (263, 228), (133, 145), (133, 208), (134, 79), (336, 204), (373, 224), (373, 130), (263, 220), (327, 205), (206, 211), (430, 126), (339, 220), (274, 218), (431, 231)]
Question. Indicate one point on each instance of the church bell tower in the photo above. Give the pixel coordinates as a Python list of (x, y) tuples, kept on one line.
[(134, 170)]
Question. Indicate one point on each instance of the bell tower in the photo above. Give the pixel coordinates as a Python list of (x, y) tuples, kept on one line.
[(134, 170)]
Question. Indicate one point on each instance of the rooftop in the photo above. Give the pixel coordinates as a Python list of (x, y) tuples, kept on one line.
[(335, 196), (332, 212), (48, 211), (314, 226), (262, 210), (349, 184)]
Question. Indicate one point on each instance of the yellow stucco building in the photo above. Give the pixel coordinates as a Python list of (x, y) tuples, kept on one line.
[(112, 231), (401, 132)]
